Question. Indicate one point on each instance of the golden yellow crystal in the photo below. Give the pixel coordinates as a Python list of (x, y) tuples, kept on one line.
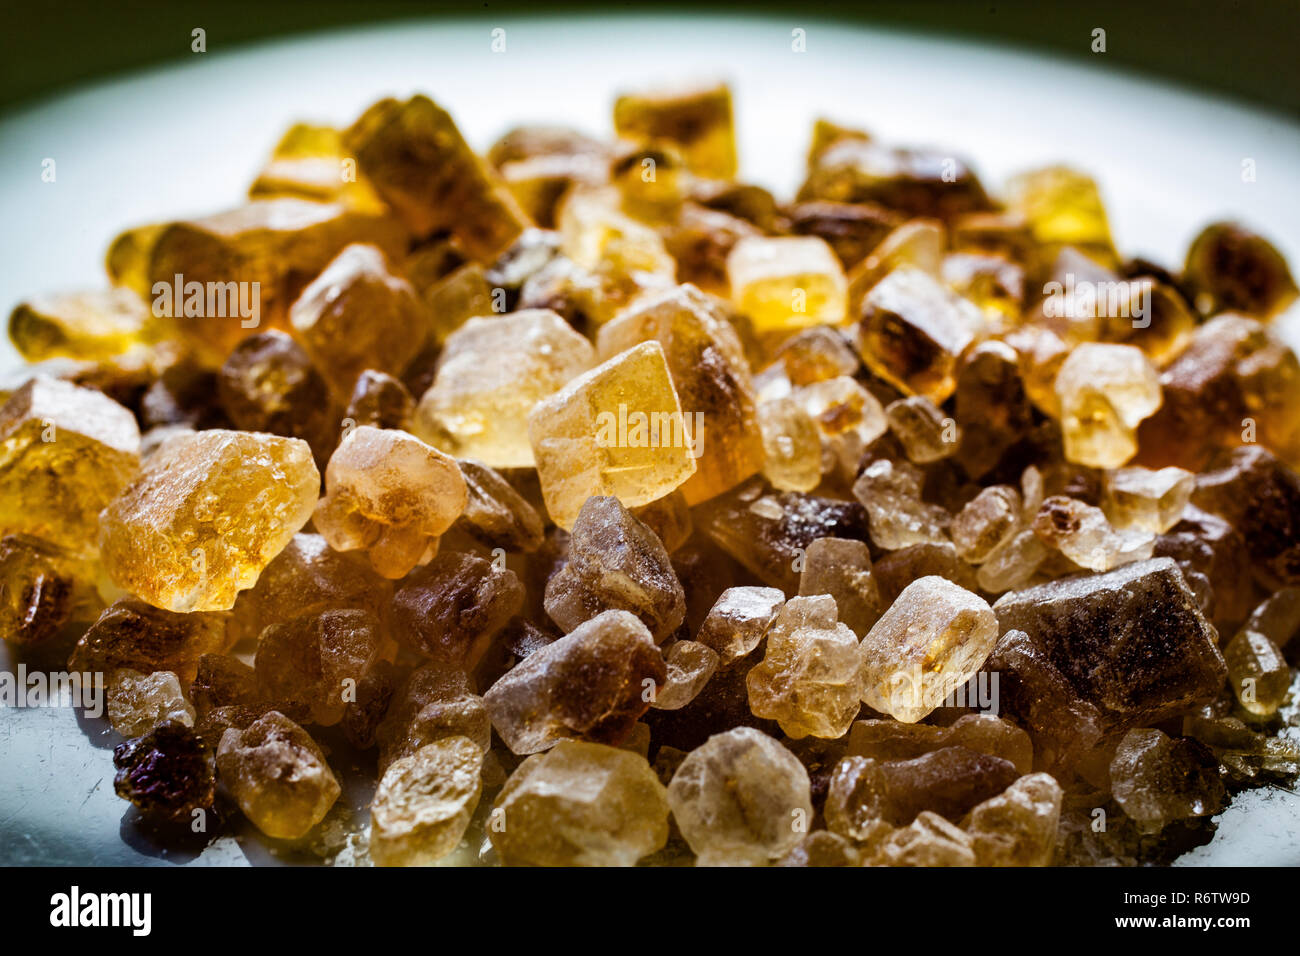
[(580, 804), (424, 803), (1105, 391), (65, 452), (278, 775), (697, 121), (83, 325), (791, 444), (595, 232), (615, 430), (711, 376), (417, 160), (490, 375), (310, 162), (787, 282), (1063, 207), (208, 512), (240, 270)]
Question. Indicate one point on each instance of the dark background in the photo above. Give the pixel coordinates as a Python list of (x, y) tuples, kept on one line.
[(1244, 48)]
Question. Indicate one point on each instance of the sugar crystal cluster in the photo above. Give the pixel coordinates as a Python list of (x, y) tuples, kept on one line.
[(584, 504)]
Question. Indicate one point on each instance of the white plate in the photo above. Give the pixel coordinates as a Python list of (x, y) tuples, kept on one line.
[(187, 139)]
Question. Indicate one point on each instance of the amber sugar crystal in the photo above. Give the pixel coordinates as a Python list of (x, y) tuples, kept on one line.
[(582, 503)]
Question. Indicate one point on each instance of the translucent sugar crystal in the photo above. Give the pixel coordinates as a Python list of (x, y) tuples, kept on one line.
[(848, 416), (927, 435), (987, 523), (358, 314), (1235, 382), (450, 609), (496, 514), (787, 282), (984, 733), (278, 776), (423, 803), (269, 384), (600, 239), (616, 430), (82, 325), (1131, 643), (491, 373), (811, 679), (949, 781), (1231, 269), (137, 703), (1063, 207), (690, 665), (315, 662), (65, 453), (1082, 533), (991, 404), (1019, 826), (615, 563), (420, 164), (1260, 497), (591, 683), (1257, 672), (891, 493), (308, 577), (791, 445), (1147, 499), (710, 373), (208, 512), (135, 636), (933, 639), (741, 799), (915, 243), (929, 840), (912, 330), (822, 848), (841, 568), (816, 354), (432, 704), (1157, 779), (1105, 391), (42, 588), (992, 282), (738, 620), (275, 244), (380, 400), (1013, 564), (390, 494), (580, 804), (697, 120), (167, 774), (769, 532)]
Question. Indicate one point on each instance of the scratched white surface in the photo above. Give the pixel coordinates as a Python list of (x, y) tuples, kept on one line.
[(186, 140)]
